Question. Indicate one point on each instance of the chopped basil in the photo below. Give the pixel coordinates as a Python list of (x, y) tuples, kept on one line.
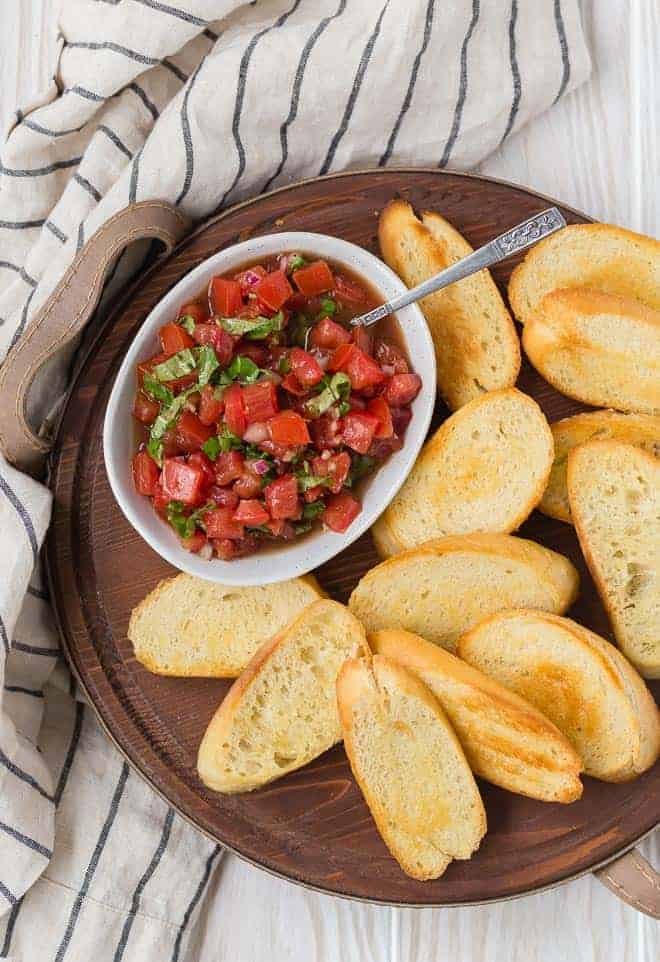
[(307, 480), (313, 510), (284, 364), (361, 465), (328, 308), (295, 263), (300, 330), (180, 364), (185, 524), (159, 392), (187, 322), (254, 328), (302, 527), (254, 453), (333, 389), (344, 408), (155, 449), (243, 369), (207, 362), (221, 443)]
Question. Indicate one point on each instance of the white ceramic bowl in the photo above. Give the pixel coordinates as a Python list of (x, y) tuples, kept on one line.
[(297, 557)]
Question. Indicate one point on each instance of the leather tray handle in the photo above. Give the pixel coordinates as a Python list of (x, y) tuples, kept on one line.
[(634, 881), (65, 313)]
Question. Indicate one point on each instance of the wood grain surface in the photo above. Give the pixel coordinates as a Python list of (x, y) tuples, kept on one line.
[(313, 825), (598, 150)]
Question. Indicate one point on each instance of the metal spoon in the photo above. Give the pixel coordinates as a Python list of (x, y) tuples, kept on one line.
[(512, 242)]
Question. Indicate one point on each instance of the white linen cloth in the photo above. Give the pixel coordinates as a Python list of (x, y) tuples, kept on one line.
[(201, 103)]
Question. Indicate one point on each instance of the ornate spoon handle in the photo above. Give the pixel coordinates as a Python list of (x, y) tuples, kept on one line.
[(517, 239)]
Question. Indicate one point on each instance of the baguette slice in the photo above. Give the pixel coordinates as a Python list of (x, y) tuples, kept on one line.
[(505, 739), (446, 586), (476, 344), (641, 430), (188, 627), (579, 680), (410, 766), (282, 711), (600, 256), (598, 348), (614, 492), (485, 469)]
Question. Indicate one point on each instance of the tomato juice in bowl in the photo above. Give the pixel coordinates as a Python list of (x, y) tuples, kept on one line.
[(257, 409)]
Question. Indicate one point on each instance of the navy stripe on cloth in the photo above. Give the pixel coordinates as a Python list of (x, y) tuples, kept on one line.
[(148, 872), (20, 508), (4, 635), (151, 107), (17, 334), (26, 840), (54, 229), (462, 88), (35, 649), (117, 141), (515, 71), (11, 922), (86, 185), (297, 84), (93, 863), (355, 90), (173, 12), (4, 891), (563, 46), (21, 224), (21, 690), (46, 131), (187, 138), (71, 752), (23, 776), (193, 903)]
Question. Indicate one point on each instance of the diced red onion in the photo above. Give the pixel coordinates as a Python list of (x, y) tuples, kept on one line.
[(206, 551), (387, 369), (250, 278), (322, 359), (325, 455), (256, 433), (260, 467)]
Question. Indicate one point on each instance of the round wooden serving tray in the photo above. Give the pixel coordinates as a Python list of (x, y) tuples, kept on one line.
[(313, 826)]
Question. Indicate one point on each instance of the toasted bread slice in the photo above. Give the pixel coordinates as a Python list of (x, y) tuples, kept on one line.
[(445, 586), (614, 492), (194, 628), (576, 678), (476, 344), (505, 739), (598, 348), (282, 711), (600, 256), (485, 469), (410, 767), (641, 430)]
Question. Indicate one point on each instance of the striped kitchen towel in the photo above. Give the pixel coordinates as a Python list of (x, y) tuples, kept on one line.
[(202, 103)]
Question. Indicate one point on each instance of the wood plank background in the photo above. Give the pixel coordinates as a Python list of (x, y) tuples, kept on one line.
[(597, 151)]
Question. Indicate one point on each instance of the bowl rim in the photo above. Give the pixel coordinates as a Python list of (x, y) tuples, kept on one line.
[(251, 570)]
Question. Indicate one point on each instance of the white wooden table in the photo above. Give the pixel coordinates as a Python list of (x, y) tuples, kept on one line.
[(598, 151)]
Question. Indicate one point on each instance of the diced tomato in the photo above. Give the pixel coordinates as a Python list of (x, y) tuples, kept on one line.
[(181, 481), (248, 278), (288, 428), (381, 448), (276, 526), (220, 523), (251, 513), (356, 403), (328, 334), (358, 431), (170, 443), (361, 369), (326, 432), (255, 308), (223, 497), (195, 542), (146, 367), (228, 466), (390, 355), (305, 367), (363, 339), (342, 356), (381, 410), (224, 548), (199, 460), (198, 313), (293, 386), (225, 297), (160, 501), (174, 338), (248, 485), (191, 433), (256, 352), (282, 498), (274, 289), (221, 342), (260, 401), (335, 467), (401, 418), (314, 279), (402, 389), (145, 474), (340, 511), (210, 407), (348, 292), (313, 494), (144, 409), (234, 411)]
